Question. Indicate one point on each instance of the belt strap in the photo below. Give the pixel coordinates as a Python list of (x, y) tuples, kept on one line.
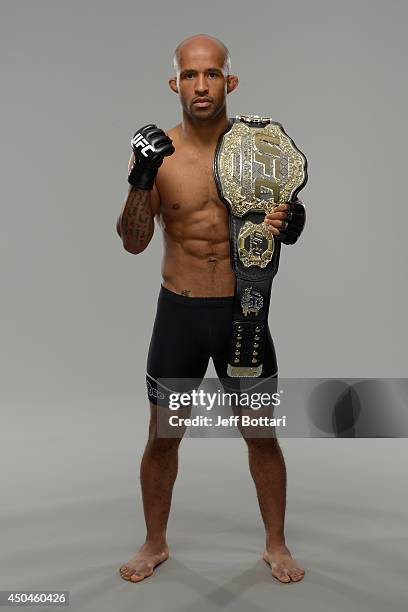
[(251, 300)]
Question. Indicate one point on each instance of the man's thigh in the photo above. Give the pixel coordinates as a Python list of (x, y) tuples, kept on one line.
[(178, 352)]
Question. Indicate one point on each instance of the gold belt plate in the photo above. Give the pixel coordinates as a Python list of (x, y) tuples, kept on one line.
[(258, 168), (255, 244)]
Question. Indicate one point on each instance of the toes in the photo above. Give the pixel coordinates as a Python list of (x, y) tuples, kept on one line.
[(297, 574), (281, 575), (127, 573), (137, 577)]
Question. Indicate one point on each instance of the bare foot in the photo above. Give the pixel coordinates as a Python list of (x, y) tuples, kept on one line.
[(144, 562), (284, 567)]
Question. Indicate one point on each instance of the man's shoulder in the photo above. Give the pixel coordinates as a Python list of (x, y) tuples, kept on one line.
[(174, 131)]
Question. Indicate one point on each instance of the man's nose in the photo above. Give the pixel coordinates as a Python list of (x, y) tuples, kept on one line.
[(201, 85)]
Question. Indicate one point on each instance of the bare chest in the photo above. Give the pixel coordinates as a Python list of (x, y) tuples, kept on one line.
[(186, 185)]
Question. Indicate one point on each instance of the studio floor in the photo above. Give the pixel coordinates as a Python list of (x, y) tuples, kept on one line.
[(71, 515)]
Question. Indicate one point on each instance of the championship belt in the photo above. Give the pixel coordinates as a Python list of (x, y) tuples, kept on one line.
[(256, 167)]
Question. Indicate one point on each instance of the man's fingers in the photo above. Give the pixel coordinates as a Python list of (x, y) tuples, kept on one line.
[(276, 220), (276, 215), (274, 230), (283, 206), (170, 150)]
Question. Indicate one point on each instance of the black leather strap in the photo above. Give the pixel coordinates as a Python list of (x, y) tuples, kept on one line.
[(251, 303)]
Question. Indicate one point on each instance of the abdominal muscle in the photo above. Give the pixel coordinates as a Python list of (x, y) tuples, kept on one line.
[(196, 260)]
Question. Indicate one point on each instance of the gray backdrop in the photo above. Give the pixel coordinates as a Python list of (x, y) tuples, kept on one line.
[(78, 78)]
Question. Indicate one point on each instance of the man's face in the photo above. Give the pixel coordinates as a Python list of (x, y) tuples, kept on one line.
[(202, 82)]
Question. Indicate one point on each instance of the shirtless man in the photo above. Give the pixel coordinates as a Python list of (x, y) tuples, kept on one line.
[(171, 177)]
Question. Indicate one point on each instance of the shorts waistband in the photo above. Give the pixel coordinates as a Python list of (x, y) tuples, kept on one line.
[(207, 302)]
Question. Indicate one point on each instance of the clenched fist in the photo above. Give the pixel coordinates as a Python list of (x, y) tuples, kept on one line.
[(287, 221), (150, 145)]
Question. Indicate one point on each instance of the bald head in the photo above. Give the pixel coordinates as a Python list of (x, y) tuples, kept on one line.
[(202, 77), (202, 43)]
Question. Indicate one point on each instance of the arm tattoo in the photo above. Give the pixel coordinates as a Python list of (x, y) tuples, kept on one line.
[(137, 223)]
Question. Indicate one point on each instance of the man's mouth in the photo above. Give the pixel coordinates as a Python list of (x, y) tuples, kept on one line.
[(202, 102)]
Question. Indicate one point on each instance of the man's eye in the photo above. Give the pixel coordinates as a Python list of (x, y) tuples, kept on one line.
[(189, 75), (213, 75)]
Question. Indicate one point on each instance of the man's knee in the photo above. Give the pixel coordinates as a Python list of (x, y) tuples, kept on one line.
[(162, 446), (157, 443), (262, 444)]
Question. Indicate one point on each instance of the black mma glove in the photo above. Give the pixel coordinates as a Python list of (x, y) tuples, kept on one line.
[(150, 145), (294, 223)]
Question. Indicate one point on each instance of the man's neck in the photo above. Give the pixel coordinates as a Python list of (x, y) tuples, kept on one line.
[(203, 133)]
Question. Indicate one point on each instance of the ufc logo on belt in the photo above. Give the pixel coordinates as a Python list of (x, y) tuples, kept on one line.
[(139, 141)]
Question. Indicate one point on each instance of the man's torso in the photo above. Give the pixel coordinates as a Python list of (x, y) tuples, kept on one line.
[(194, 223)]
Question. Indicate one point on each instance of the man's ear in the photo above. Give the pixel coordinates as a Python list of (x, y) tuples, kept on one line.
[(232, 82), (173, 84)]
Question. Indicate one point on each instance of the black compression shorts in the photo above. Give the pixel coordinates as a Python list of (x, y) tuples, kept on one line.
[(187, 332)]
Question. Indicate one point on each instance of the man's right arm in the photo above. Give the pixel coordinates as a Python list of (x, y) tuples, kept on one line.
[(136, 222)]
